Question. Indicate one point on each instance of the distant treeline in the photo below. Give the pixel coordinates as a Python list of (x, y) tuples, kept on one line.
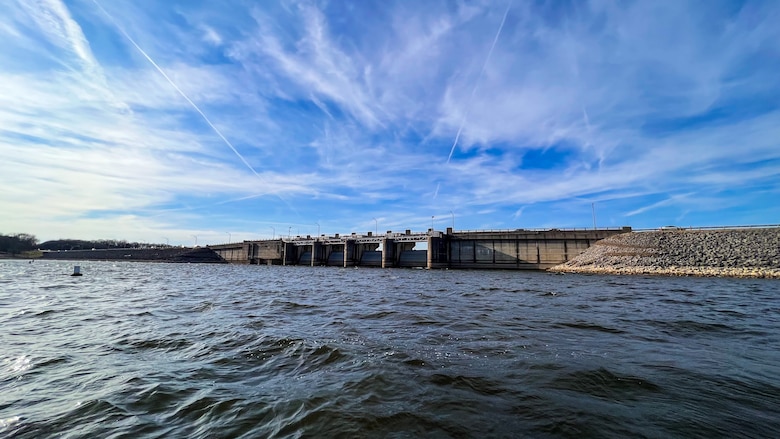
[(79, 244), (22, 242), (18, 243)]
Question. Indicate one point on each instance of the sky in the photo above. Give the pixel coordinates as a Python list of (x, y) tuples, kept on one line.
[(193, 121)]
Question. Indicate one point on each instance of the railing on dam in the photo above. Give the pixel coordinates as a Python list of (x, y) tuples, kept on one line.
[(673, 228), (536, 230), (509, 249), (407, 236)]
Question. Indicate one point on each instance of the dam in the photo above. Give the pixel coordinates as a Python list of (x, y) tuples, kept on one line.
[(519, 249)]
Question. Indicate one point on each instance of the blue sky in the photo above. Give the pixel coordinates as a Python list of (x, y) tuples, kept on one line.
[(151, 120)]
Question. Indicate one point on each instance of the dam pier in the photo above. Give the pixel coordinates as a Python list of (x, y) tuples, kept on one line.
[(521, 249)]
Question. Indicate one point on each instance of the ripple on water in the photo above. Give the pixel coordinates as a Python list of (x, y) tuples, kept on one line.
[(591, 327), (686, 327), (605, 384)]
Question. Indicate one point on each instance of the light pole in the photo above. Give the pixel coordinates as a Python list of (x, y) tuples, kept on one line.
[(230, 237), (376, 227), (318, 229), (289, 231), (593, 210), (273, 235), (196, 240), (431, 223), (453, 220), (166, 242)]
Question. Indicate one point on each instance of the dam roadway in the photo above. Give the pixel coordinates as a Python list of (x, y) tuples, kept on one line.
[(522, 249)]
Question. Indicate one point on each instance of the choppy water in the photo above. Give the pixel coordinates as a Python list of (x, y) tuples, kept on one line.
[(208, 351)]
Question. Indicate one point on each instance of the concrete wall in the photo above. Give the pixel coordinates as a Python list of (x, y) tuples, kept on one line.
[(268, 250), (520, 249), (252, 252), (237, 254)]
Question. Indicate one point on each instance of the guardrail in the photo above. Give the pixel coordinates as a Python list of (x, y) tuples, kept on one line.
[(672, 228), (395, 236), (418, 236), (548, 229)]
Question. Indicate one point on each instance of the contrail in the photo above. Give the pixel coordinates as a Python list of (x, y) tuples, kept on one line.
[(194, 106), (170, 81), (476, 84), (585, 118)]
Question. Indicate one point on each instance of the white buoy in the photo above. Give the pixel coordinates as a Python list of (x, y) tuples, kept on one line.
[(76, 270)]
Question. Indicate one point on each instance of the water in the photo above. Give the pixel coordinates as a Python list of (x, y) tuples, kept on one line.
[(136, 350)]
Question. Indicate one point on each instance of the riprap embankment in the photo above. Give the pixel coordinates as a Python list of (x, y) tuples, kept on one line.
[(738, 252)]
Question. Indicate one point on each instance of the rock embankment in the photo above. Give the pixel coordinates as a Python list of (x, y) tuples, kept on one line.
[(726, 252)]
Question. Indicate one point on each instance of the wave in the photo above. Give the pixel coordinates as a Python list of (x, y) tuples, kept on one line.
[(687, 327), (590, 327), (603, 383)]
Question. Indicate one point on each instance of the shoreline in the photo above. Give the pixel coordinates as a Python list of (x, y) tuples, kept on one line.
[(743, 273)]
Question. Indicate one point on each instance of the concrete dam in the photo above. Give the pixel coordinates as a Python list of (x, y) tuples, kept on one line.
[(518, 249)]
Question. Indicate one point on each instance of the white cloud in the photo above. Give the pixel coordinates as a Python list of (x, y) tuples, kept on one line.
[(211, 36)]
